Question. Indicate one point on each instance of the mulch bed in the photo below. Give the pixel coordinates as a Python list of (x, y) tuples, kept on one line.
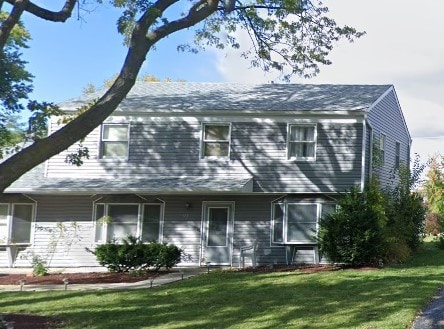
[(26, 321), (74, 278)]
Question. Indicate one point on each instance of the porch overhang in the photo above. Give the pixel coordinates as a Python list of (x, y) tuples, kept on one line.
[(158, 185)]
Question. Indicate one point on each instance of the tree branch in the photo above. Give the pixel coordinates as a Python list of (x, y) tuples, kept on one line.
[(197, 13), (41, 150), (54, 16), (11, 21)]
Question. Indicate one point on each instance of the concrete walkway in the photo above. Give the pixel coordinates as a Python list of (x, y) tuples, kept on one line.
[(432, 317), (176, 274)]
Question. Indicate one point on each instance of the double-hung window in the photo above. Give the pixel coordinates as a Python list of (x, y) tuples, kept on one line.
[(16, 222), (216, 140), (302, 142), (115, 222), (397, 155), (382, 143), (114, 141)]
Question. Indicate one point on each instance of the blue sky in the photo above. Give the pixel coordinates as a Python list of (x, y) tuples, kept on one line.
[(403, 46), (65, 57)]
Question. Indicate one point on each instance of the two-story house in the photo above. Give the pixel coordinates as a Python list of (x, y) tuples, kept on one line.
[(210, 167)]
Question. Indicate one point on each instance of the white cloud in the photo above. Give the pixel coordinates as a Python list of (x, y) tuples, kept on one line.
[(403, 46)]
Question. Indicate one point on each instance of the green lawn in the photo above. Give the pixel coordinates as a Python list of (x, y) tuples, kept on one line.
[(388, 298)]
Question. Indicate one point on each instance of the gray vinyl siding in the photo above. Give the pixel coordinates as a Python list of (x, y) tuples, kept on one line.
[(66, 210), (386, 118), (252, 216), (182, 227), (172, 148)]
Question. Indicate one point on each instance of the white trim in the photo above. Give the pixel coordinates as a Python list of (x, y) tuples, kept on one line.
[(231, 205), (385, 147), (397, 142), (289, 142), (10, 216), (286, 203), (102, 140), (203, 141), (364, 144), (370, 169), (199, 118), (139, 224)]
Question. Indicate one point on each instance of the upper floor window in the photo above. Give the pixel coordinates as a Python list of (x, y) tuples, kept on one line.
[(114, 141), (115, 221), (302, 142), (397, 155), (15, 222), (382, 143), (216, 140)]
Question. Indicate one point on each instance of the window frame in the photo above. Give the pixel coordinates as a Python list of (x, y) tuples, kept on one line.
[(139, 224), (284, 238), (291, 142), (10, 214), (397, 155), (204, 141), (106, 140), (382, 147)]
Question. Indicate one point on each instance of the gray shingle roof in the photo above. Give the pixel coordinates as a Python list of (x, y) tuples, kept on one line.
[(34, 182), (196, 97), (192, 97)]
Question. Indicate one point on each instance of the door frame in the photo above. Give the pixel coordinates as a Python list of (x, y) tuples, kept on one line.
[(206, 205)]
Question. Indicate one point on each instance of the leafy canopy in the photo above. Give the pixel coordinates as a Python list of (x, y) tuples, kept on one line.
[(293, 37)]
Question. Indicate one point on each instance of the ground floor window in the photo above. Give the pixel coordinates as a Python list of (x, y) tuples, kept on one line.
[(116, 221), (16, 222), (297, 222)]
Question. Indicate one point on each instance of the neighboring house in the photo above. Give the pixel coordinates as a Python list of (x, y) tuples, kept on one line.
[(210, 167)]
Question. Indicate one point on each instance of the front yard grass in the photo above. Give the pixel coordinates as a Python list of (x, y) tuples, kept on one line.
[(387, 298)]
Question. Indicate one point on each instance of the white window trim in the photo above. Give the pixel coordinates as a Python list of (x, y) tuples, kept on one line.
[(289, 142), (140, 213), (227, 232), (383, 149), (101, 140), (9, 218), (285, 223), (398, 155), (203, 141)]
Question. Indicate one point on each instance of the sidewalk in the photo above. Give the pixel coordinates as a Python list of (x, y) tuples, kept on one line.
[(432, 317), (173, 276)]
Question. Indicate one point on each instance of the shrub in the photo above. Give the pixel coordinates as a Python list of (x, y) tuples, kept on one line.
[(405, 208), (354, 233), (433, 224), (440, 241), (134, 255), (396, 251)]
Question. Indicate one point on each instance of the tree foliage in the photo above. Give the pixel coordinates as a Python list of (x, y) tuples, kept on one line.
[(376, 224), (293, 37), (354, 234)]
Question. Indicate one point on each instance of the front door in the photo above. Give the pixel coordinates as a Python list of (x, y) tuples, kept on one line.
[(217, 234)]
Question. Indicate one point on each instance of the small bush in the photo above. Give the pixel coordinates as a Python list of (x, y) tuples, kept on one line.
[(134, 255), (433, 224), (39, 266), (440, 241), (396, 252)]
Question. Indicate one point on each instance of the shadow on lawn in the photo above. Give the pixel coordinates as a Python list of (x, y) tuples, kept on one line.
[(240, 300), (387, 298)]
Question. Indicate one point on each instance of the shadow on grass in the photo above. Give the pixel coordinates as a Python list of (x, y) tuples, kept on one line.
[(386, 298)]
